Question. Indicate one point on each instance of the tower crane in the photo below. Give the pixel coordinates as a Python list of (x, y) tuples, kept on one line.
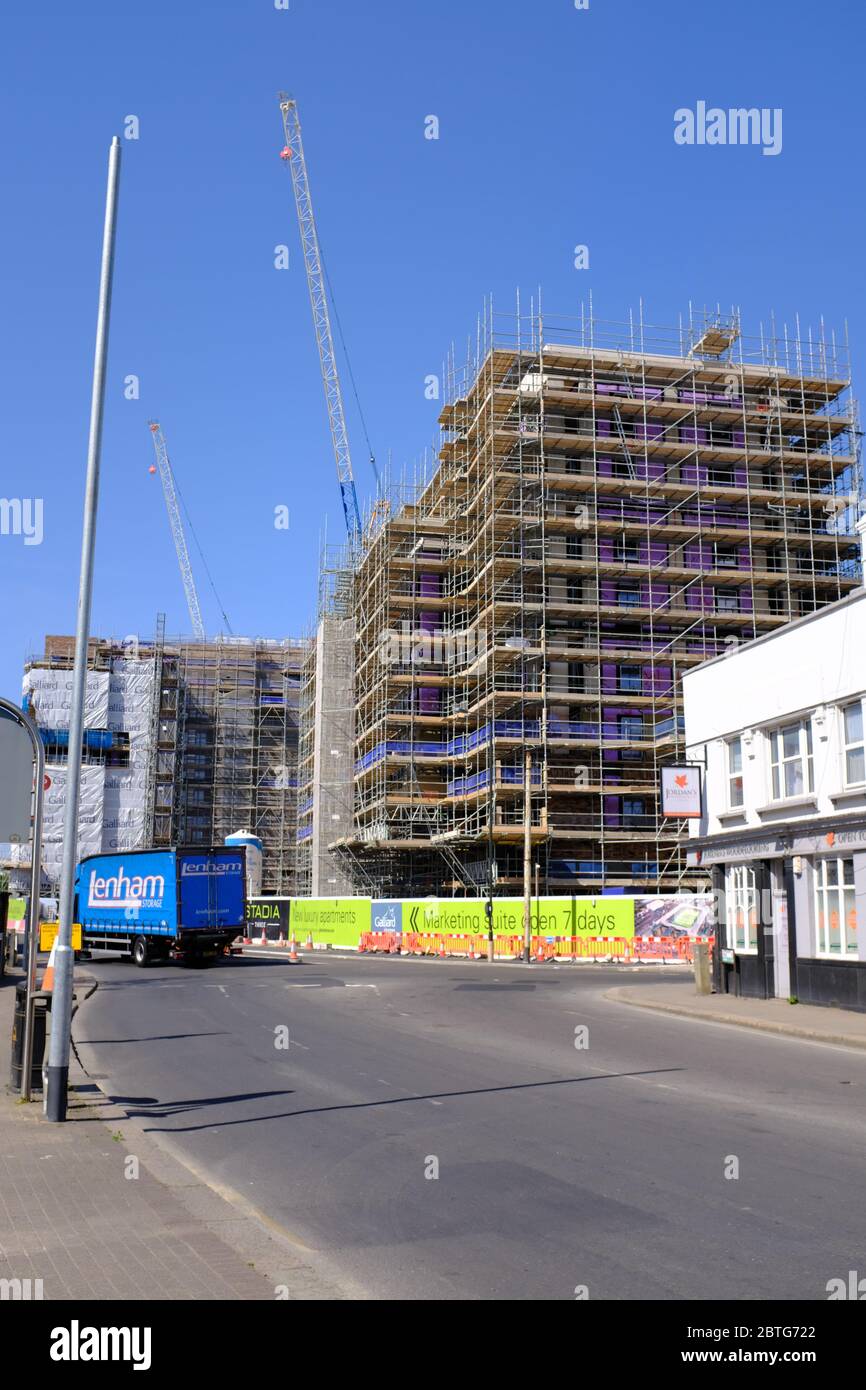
[(174, 518), (293, 154)]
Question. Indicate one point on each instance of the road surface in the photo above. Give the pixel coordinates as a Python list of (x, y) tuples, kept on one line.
[(560, 1167)]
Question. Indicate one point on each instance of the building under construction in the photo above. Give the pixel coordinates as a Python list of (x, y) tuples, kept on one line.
[(610, 505), (185, 742)]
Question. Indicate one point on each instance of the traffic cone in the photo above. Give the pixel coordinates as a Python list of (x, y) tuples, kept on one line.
[(309, 945), (48, 979), (294, 958), (264, 940)]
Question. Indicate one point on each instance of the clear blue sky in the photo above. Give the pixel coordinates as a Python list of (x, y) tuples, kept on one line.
[(556, 129)]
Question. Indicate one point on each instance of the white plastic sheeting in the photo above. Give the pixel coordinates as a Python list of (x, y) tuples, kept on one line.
[(129, 709), (49, 692), (90, 810)]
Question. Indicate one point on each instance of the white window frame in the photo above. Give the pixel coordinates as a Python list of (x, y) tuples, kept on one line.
[(741, 909), (778, 762), (732, 776), (826, 897), (858, 744)]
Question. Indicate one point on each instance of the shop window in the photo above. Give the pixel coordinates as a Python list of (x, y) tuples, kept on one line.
[(734, 755), (791, 760), (855, 760), (741, 908), (835, 909)]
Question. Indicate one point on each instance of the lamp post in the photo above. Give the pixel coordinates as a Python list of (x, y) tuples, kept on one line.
[(61, 1011)]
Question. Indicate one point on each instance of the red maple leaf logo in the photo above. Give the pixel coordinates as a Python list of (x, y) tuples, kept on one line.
[(831, 839), (681, 779)]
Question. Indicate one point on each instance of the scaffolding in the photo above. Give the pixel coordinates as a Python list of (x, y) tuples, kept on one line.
[(327, 736), (610, 504), (222, 744)]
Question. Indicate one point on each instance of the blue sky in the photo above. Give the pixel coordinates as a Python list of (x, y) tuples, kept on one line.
[(556, 128)]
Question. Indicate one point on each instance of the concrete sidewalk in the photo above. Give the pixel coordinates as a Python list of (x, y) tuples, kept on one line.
[(839, 1026), (72, 1218)]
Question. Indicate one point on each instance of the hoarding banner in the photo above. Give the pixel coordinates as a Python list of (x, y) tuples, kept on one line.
[(268, 915), (582, 917), (331, 921), (341, 921)]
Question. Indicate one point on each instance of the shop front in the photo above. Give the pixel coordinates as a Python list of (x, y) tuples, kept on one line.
[(788, 908)]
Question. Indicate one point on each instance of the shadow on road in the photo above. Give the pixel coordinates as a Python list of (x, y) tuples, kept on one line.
[(178, 1107)]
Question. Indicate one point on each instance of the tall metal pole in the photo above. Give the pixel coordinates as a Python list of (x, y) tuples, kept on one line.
[(35, 884), (527, 856), (61, 1007)]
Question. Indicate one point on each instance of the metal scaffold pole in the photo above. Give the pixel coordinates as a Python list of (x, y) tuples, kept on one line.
[(61, 1009)]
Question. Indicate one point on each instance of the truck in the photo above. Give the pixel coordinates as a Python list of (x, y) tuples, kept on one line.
[(162, 904)]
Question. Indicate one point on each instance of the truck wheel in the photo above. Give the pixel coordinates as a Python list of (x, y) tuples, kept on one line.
[(140, 952)]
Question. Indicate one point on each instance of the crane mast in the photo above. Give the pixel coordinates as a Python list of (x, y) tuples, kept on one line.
[(174, 519), (293, 154)]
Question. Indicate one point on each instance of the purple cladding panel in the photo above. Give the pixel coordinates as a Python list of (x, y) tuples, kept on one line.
[(611, 811), (430, 585), (694, 596), (606, 548), (608, 678)]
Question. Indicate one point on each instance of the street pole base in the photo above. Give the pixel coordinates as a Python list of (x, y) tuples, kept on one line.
[(56, 1087)]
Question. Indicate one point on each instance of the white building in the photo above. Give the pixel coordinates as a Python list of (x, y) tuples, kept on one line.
[(778, 726)]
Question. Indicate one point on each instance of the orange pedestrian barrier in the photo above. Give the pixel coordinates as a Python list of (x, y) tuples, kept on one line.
[(47, 985)]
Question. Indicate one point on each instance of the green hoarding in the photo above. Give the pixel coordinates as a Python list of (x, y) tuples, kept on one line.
[(341, 921), (330, 921), (580, 917)]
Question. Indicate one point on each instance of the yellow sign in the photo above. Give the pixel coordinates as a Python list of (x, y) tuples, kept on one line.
[(48, 935), (565, 917), (332, 921)]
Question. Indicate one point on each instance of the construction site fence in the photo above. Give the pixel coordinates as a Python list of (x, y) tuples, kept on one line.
[(477, 947)]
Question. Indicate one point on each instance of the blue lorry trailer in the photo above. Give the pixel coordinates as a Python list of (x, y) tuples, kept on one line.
[(161, 904)]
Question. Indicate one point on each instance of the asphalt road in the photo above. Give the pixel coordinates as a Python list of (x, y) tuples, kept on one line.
[(558, 1167)]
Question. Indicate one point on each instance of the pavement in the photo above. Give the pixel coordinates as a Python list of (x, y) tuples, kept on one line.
[(841, 1027), (95, 1210), (464, 1131)]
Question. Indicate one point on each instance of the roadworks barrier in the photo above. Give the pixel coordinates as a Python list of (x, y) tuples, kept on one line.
[(627, 950)]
